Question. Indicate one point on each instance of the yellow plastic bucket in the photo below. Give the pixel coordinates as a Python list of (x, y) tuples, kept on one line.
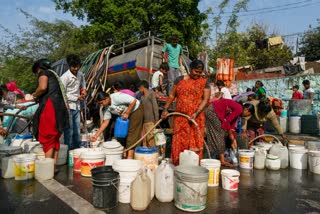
[(24, 165)]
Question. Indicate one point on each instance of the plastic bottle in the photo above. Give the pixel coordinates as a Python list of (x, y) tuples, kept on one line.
[(165, 181), (141, 192), (259, 159), (121, 128), (150, 174), (239, 125), (282, 153), (188, 158)]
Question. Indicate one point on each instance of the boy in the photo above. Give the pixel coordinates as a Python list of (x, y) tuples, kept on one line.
[(157, 81), (308, 92), (150, 112), (224, 90), (297, 95), (75, 86)]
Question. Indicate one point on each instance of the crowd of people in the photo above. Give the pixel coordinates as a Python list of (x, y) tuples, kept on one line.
[(61, 98)]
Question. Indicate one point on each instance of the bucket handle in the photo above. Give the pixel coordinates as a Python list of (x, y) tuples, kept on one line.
[(317, 163), (231, 179), (193, 190), (112, 182)]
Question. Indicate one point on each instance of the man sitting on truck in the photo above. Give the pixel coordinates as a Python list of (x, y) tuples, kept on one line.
[(157, 82), (174, 51)]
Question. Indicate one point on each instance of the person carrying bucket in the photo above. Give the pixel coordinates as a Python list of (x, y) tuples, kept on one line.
[(221, 117), (127, 107)]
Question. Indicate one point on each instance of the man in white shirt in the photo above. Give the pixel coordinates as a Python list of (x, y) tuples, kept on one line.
[(75, 87), (224, 90), (308, 92)]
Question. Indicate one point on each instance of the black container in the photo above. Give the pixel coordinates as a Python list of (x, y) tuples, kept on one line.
[(105, 183)]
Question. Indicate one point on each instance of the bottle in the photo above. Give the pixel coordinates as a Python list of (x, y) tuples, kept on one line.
[(239, 125), (141, 192), (150, 174), (165, 181), (121, 128)]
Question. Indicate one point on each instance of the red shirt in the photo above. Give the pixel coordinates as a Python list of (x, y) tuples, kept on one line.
[(297, 95)]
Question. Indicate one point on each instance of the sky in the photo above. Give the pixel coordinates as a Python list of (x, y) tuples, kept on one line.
[(283, 16)]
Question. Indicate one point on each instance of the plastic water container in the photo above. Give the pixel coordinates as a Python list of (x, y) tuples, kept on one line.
[(44, 169), (160, 140), (266, 146), (77, 159), (149, 156), (259, 159), (121, 128), (7, 168), (295, 124), (191, 187), (282, 153), (128, 170), (188, 158), (246, 158), (165, 181), (91, 159), (151, 176), (24, 166), (273, 162), (113, 150), (230, 179), (140, 192), (214, 171), (84, 141), (283, 121), (314, 161), (283, 113), (298, 158), (62, 155), (313, 145), (28, 146), (6, 151), (18, 140)]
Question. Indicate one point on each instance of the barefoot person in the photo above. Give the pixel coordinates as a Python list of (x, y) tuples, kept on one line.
[(52, 115)]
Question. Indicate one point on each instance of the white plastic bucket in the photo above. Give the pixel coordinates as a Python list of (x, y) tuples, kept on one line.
[(230, 179), (314, 162), (298, 158), (77, 159), (283, 121), (295, 124), (147, 155), (113, 150), (90, 160), (246, 158), (24, 166), (44, 169), (62, 155), (214, 171), (128, 170), (191, 186)]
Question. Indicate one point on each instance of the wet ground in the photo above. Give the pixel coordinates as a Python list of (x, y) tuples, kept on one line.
[(260, 191)]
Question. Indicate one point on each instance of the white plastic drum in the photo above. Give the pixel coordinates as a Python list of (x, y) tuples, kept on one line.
[(314, 162), (298, 158), (295, 124)]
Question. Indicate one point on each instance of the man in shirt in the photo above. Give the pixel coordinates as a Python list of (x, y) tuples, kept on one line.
[(75, 87), (174, 51), (224, 90), (308, 92)]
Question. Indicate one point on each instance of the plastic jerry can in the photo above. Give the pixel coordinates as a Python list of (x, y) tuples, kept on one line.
[(121, 128)]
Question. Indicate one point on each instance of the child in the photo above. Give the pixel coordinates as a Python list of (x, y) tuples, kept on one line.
[(151, 112), (297, 95), (157, 82), (224, 90)]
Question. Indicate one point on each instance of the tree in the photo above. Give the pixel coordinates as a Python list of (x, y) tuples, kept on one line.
[(43, 40), (113, 21), (311, 43)]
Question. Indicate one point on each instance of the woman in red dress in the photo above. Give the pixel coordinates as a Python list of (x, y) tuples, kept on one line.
[(192, 93), (52, 115)]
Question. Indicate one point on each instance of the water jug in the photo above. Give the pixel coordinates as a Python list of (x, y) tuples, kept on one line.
[(150, 174), (282, 153), (259, 159), (273, 162), (141, 192), (44, 169), (121, 128), (165, 181), (188, 158)]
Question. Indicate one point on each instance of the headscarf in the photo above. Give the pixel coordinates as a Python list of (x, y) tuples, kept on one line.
[(12, 86)]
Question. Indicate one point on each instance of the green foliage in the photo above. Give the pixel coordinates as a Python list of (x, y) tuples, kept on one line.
[(43, 40), (311, 43), (113, 21), (241, 46)]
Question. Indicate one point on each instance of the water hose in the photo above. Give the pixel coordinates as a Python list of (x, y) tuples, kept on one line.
[(265, 135), (168, 115)]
